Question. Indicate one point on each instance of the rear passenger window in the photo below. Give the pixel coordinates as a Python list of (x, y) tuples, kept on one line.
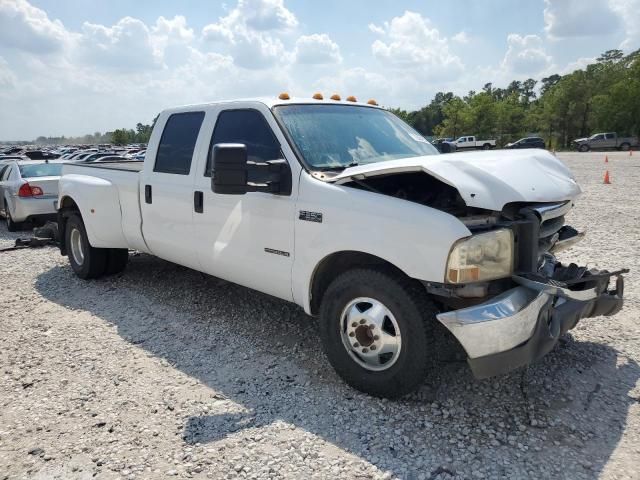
[(250, 128), (178, 143)]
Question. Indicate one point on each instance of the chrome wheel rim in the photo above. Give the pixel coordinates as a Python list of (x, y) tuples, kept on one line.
[(75, 238), (370, 334)]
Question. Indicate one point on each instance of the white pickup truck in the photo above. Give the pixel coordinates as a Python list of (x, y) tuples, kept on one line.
[(345, 210), (463, 143)]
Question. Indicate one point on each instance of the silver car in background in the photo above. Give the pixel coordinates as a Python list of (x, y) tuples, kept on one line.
[(28, 191)]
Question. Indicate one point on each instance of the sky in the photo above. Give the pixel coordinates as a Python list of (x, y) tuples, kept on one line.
[(71, 67)]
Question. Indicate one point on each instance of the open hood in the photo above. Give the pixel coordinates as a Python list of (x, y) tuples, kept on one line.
[(484, 179)]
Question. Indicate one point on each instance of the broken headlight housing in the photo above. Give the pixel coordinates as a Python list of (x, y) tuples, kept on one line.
[(481, 257)]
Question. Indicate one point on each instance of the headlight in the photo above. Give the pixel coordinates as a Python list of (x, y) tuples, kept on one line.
[(485, 256)]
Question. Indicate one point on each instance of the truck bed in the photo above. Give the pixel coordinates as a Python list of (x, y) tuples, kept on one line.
[(122, 165)]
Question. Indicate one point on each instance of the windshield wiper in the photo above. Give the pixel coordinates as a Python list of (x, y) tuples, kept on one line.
[(337, 167)]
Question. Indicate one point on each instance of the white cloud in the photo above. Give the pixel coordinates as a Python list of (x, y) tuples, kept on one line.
[(377, 30), (25, 27), (249, 32), (7, 78), (461, 37), (580, 18), (579, 64), (317, 49), (628, 10), (525, 55), (126, 46), (361, 83), (412, 43)]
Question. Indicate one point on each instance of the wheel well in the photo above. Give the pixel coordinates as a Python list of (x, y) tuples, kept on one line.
[(67, 205), (337, 263)]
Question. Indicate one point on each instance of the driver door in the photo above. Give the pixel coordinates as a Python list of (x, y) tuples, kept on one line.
[(246, 239)]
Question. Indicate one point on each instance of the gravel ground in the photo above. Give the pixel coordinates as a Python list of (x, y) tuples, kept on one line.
[(162, 371)]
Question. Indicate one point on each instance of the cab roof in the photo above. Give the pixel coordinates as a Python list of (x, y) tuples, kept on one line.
[(271, 102)]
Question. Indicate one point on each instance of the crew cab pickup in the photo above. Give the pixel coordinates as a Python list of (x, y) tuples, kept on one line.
[(463, 143), (347, 211), (605, 141)]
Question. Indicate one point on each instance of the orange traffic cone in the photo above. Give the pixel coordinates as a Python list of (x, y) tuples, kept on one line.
[(631, 152), (607, 180), (606, 159)]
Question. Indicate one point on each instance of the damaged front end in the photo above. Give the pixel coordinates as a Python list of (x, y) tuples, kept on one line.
[(505, 296), (540, 302)]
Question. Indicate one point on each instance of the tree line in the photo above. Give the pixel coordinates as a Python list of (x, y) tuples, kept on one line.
[(120, 136), (604, 96)]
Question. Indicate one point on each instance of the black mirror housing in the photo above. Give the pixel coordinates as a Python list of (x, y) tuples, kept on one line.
[(233, 174), (229, 171)]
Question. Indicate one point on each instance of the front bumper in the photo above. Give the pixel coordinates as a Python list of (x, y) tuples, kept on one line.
[(524, 323)]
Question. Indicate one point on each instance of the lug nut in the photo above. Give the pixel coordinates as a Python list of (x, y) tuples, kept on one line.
[(362, 321), (372, 326), (376, 337), (352, 334), (354, 324), (372, 347), (356, 345), (365, 350)]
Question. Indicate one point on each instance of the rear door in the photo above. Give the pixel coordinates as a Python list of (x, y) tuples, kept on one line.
[(609, 140), (166, 190), (247, 239)]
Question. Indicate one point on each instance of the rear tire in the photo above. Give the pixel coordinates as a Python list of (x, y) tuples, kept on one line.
[(117, 259), (11, 225), (486, 146), (86, 261), (407, 314), (624, 147)]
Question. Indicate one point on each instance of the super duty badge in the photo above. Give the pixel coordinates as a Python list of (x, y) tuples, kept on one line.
[(310, 216)]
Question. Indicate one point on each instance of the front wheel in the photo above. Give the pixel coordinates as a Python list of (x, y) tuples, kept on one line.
[(86, 261), (584, 148), (375, 330)]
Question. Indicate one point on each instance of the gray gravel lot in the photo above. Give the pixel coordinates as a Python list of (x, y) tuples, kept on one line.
[(162, 371)]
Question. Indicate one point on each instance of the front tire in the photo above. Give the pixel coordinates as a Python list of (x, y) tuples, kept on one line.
[(375, 330), (86, 261), (584, 148)]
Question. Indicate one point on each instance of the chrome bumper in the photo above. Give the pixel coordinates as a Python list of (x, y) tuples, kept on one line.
[(522, 324), (503, 323)]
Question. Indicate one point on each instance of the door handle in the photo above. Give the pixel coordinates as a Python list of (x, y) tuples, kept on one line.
[(198, 202), (147, 194)]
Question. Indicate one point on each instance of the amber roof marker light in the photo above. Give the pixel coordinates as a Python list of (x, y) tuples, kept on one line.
[(372, 102), (351, 98), (335, 97), (318, 96), (284, 96)]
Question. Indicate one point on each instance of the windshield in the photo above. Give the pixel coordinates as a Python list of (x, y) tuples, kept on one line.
[(339, 136), (40, 170)]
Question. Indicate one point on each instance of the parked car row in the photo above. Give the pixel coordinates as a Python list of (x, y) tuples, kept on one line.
[(449, 145), (29, 177)]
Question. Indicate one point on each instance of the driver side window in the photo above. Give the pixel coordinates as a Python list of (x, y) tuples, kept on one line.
[(250, 128)]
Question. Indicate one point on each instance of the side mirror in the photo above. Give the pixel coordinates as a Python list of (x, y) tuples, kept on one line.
[(229, 168), (233, 174)]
